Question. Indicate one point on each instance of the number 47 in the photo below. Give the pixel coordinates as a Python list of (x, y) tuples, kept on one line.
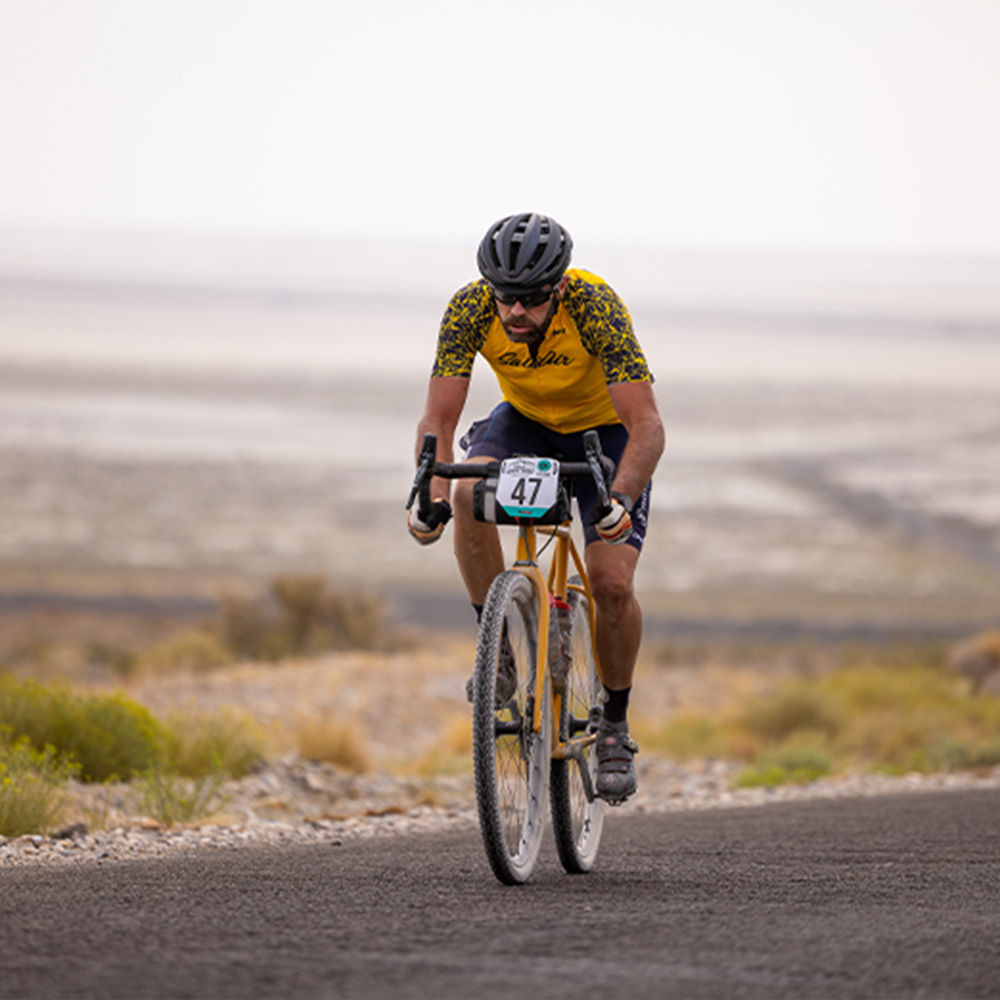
[(520, 490)]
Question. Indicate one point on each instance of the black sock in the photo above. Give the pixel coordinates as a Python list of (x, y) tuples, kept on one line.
[(616, 706)]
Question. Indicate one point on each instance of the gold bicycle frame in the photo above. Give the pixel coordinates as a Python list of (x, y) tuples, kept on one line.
[(556, 585)]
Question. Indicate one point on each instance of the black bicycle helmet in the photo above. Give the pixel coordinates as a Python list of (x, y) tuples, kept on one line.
[(524, 252)]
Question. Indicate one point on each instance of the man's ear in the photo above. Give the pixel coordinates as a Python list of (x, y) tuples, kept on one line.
[(561, 287)]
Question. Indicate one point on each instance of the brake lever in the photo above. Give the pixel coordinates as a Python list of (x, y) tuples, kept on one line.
[(425, 472), (601, 467)]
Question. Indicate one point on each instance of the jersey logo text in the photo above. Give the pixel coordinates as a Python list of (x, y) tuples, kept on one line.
[(511, 360)]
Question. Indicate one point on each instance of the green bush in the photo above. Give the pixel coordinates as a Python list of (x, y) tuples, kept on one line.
[(107, 736), (794, 763), (31, 785), (50, 733)]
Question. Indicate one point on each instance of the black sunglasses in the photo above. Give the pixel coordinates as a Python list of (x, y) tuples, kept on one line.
[(527, 299)]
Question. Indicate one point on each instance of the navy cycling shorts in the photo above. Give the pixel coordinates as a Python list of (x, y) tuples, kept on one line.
[(507, 432)]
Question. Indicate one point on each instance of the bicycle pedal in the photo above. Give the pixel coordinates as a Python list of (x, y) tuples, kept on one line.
[(614, 802)]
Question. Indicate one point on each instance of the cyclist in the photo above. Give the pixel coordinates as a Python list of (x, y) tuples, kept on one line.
[(561, 344)]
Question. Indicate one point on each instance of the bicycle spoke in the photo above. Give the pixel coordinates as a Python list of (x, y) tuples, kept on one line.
[(511, 762), (577, 817)]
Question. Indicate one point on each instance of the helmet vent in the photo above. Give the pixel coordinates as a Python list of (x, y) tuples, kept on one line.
[(523, 252)]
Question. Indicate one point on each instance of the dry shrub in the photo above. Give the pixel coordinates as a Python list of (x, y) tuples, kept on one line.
[(302, 617), (451, 753), (241, 625), (796, 708), (170, 799), (457, 737), (202, 744), (196, 651), (695, 735), (341, 744), (745, 723), (115, 657), (314, 618), (977, 659), (875, 714)]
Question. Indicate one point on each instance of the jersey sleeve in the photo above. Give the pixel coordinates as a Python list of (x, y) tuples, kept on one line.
[(463, 330), (606, 329)]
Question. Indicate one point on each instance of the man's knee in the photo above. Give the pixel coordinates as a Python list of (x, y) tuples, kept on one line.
[(462, 497), (612, 581), (474, 539)]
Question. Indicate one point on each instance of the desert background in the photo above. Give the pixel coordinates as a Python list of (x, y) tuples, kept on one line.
[(225, 247), (184, 422), (227, 236), (181, 416)]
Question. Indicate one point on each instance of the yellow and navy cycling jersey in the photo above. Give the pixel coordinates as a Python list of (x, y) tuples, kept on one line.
[(589, 344)]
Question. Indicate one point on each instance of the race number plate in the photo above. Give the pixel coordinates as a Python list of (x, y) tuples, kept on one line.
[(528, 487)]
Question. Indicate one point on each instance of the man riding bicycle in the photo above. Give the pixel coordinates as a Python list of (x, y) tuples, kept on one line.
[(561, 344)]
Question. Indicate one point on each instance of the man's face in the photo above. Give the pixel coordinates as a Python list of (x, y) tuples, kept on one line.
[(527, 325)]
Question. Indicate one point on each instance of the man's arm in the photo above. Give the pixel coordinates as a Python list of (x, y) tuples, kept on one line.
[(445, 402), (635, 404)]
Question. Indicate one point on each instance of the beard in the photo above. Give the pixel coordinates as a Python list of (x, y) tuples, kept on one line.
[(524, 330)]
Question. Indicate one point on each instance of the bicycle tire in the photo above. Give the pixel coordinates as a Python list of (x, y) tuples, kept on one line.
[(511, 763), (577, 823)]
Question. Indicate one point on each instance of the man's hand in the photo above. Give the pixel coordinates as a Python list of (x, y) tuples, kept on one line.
[(431, 529), (615, 523)]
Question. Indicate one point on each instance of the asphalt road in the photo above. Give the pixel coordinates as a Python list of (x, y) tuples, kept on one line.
[(891, 897)]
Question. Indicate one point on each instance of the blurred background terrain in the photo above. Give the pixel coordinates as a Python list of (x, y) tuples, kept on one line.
[(171, 429), (227, 236)]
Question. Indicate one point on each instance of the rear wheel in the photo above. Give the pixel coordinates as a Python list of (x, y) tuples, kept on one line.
[(511, 763), (577, 821)]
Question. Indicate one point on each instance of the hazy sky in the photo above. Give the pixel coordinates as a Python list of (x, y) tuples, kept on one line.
[(789, 124)]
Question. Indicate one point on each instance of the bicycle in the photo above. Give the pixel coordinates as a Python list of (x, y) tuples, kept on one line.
[(535, 710)]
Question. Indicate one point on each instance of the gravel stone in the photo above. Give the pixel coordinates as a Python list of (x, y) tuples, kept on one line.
[(320, 805)]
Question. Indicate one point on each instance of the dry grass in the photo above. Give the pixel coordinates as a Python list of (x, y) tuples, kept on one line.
[(406, 710), (196, 650), (302, 616), (340, 743), (296, 615), (889, 710), (170, 799), (450, 754), (977, 659), (225, 741), (790, 711)]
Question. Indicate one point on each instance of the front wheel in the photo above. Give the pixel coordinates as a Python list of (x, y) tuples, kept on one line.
[(578, 818), (511, 762)]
